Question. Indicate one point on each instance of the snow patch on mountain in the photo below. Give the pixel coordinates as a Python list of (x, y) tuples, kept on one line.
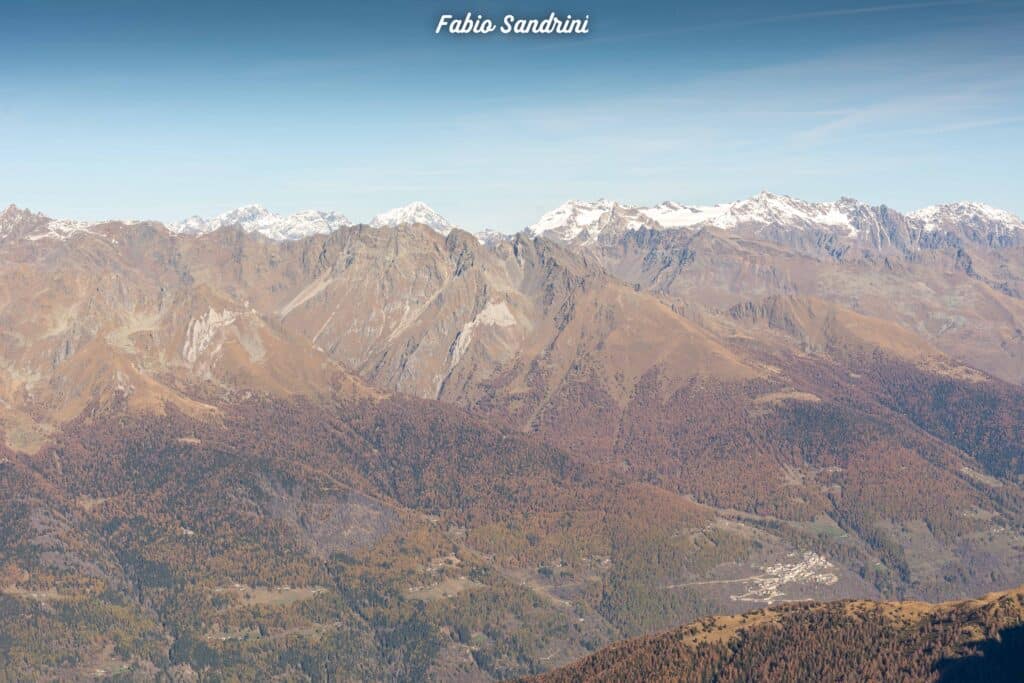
[(673, 215), (63, 229)]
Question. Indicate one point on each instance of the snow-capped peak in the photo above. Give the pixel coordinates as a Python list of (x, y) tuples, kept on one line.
[(571, 219), (255, 218), (771, 209), (246, 215), (932, 218), (414, 213)]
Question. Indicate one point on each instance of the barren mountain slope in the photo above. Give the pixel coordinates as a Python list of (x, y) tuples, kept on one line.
[(114, 314), (963, 297), (435, 316)]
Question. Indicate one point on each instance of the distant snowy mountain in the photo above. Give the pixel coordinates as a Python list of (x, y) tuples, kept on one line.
[(589, 221), (255, 218), (937, 217), (414, 213), (781, 218), (767, 209), (978, 222), (838, 225), (574, 219), (571, 219)]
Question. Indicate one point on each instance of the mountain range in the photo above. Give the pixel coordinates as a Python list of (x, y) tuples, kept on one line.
[(846, 221), (260, 446), (603, 219)]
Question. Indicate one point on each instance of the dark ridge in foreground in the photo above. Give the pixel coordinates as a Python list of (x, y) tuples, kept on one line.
[(974, 640)]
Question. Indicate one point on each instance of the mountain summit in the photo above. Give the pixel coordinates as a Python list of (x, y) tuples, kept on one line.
[(410, 214), (979, 222)]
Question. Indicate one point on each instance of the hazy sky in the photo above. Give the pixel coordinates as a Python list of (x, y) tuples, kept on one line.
[(136, 108)]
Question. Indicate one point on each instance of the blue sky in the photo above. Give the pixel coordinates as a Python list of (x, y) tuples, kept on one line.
[(146, 109)]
